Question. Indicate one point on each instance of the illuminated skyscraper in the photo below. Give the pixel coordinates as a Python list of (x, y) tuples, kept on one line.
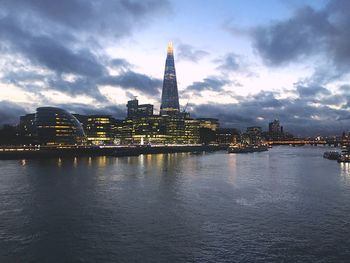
[(170, 97)]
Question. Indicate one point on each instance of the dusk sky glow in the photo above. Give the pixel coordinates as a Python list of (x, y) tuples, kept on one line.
[(244, 62)]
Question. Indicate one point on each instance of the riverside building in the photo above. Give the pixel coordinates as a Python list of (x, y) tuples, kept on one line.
[(55, 126), (100, 129)]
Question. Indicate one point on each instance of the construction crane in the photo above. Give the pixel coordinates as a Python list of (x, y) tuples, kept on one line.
[(185, 108)]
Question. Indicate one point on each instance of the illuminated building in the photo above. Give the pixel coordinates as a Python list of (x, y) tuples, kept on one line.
[(191, 131), (209, 123), (139, 110), (27, 129), (146, 130), (100, 129), (275, 130), (253, 135), (225, 136), (170, 98), (175, 128), (207, 130), (82, 119), (58, 127), (170, 127), (275, 127)]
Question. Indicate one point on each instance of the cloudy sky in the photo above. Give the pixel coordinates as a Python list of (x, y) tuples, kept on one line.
[(245, 62)]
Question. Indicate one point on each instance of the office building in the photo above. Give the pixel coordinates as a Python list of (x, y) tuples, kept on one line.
[(170, 98), (100, 129), (56, 126), (136, 110), (27, 129)]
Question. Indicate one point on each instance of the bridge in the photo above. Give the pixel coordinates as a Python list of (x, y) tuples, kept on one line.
[(330, 142), (298, 142)]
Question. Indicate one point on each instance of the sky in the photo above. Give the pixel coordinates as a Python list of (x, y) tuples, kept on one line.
[(245, 62)]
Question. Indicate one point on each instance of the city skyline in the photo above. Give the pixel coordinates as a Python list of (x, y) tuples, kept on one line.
[(288, 64)]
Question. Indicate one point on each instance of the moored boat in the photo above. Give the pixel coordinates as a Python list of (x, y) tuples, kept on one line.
[(238, 148), (344, 156), (332, 155)]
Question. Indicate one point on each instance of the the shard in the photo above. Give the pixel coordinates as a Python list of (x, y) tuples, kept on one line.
[(170, 96)]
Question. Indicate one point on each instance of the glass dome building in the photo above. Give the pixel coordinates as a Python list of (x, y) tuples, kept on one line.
[(56, 126)]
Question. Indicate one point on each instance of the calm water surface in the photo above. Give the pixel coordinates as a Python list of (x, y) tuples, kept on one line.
[(285, 205)]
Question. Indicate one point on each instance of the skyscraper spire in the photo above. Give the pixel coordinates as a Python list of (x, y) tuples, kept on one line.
[(170, 97), (170, 48)]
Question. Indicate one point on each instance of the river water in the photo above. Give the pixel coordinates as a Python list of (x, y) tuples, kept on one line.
[(285, 205)]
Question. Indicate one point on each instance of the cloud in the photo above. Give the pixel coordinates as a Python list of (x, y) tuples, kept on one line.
[(117, 111), (114, 18), (10, 112), (308, 33), (120, 63), (190, 53), (47, 51), (285, 41), (311, 91), (230, 62), (45, 42), (78, 86), (209, 83), (296, 115), (133, 80)]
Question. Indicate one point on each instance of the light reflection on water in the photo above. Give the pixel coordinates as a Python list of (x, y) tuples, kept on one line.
[(288, 204), (345, 170)]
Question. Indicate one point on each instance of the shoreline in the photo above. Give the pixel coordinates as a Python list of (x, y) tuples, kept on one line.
[(103, 151)]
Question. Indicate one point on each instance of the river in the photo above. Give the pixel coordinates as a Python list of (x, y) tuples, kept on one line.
[(285, 205)]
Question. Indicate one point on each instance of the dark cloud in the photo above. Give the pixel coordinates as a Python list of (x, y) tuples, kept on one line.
[(79, 86), (132, 80), (308, 33), (62, 38), (299, 116), (190, 53), (116, 111), (44, 50), (286, 41), (115, 18), (231, 62), (210, 83), (345, 89), (10, 112), (120, 63), (311, 91)]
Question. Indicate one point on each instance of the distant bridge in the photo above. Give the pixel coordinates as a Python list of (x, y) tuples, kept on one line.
[(310, 142), (298, 142)]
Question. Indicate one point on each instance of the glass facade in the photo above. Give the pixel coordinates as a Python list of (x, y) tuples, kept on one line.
[(100, 129), (170, 98), (136, 110), (56, 126), (191, 131)]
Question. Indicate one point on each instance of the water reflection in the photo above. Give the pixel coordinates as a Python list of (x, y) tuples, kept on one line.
[(232, 167), (345, 170), (86, 205)]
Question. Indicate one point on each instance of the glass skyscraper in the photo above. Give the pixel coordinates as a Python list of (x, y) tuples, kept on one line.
[(170, 96)]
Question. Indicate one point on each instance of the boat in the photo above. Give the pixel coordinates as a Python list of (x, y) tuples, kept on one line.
[(331, 155), (239, 148), (344, 156)]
